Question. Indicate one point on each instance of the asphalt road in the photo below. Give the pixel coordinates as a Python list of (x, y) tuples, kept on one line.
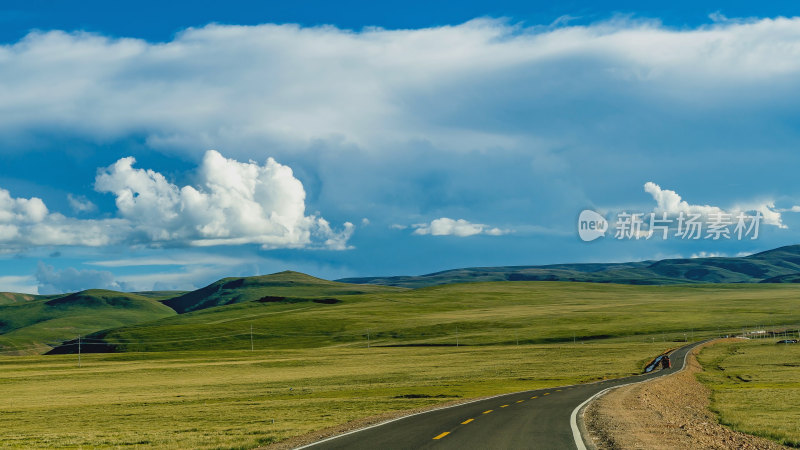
[(524, 420)]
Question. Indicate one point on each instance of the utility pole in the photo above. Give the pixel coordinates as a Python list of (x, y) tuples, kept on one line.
[(79, 351), (367, 338), (251, 337)]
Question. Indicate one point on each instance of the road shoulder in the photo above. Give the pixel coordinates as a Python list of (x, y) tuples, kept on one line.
[(667, 412)]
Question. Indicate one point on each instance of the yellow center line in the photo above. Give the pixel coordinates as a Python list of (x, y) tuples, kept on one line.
[(534, 397), (520, 401), (546, 393), (503, 406), (467, 421), (558, 390), (442, 435), (487, 412)]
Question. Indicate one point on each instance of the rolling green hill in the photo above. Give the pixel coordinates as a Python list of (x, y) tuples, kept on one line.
[(236, 290), (290, 309), (32, 324), (465, 313), (780, 265), (28, 327)]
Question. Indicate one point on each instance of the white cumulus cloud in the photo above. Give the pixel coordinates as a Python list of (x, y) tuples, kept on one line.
[(671, 203), (233, 203), (26, 222), (448, 227)]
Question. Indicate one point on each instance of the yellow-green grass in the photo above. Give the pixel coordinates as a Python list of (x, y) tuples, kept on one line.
[(199, 387), (472, 314), (9, 298), (229, 399), (755, 387)]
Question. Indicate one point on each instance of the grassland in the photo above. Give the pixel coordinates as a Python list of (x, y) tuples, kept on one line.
[(755, 387), (229, 399), (9, 298), (469, 314), (26, 326), (320, 360)]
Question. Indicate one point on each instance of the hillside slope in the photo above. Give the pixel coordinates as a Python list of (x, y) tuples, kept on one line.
[(465, 314), (30, 326), (282, 284), (290, 304), (10, 298)]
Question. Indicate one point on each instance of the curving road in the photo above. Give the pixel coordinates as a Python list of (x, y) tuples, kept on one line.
[(543, 418)]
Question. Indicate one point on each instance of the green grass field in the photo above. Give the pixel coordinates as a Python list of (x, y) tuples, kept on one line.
[(229, 399), (325, 357), (471, 314), (755, 387)]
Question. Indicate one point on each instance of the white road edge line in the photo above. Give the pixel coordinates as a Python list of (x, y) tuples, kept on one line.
[(573, 418), (581, 446), (435, 409), (404, 417)]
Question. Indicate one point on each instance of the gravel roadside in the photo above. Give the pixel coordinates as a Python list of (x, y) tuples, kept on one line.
[(667, 413)]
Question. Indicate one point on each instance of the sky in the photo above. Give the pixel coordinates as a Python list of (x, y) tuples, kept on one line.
[(164, 145)]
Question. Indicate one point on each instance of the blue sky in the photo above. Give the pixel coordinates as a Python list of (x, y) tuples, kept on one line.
[(165, 145)]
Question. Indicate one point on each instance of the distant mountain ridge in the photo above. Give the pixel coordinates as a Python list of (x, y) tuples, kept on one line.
[(780, 265)]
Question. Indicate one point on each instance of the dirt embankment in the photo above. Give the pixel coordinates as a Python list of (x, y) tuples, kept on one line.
[(667, 413)]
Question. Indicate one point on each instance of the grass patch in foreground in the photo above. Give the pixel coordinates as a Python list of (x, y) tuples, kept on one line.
[(229, 399), (755, 387)]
